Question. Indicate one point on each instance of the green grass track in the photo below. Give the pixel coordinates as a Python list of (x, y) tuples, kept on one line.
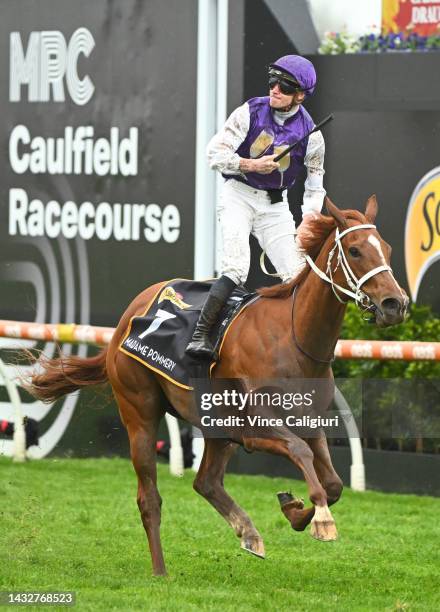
[(73, 524)]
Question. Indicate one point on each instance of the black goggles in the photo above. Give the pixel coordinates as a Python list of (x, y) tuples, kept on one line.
[(286, 85)]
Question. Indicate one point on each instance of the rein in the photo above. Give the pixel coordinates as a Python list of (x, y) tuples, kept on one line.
[(298, 346)]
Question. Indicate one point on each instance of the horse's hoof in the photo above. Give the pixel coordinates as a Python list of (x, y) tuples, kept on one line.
[(289, 501), (254, 546), (324, 530), (293, 509)]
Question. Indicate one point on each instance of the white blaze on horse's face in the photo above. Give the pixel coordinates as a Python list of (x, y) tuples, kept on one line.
[(384, 291), (376, 243)]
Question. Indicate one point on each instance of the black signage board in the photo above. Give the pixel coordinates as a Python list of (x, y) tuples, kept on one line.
[(98, 107)]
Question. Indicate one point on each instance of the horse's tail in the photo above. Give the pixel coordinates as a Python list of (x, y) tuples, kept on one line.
[(65, 374)]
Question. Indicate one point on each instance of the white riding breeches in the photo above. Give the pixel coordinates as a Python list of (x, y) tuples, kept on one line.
[(243, 210)]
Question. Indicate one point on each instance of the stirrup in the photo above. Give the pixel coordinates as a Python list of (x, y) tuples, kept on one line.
[(200, 346), (201, 349)]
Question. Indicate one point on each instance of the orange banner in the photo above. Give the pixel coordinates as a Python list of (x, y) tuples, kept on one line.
[(419, 16)]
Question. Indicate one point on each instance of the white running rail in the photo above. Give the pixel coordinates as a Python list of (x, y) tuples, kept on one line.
[(357, 468), (19, 454)]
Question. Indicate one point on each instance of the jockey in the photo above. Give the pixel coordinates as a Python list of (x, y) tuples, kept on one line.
[(254, 195)]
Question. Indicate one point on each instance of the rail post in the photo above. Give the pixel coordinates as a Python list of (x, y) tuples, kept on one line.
[(357, 467), (176, 451), (19, 455)]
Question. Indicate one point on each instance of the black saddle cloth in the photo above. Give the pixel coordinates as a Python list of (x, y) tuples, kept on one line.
[(159, 337)]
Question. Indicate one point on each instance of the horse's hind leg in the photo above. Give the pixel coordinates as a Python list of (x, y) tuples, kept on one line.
[(209, 483), (141, 413)]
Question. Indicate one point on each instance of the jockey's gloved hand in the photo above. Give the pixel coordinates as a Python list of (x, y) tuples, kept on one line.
[(304, 229)]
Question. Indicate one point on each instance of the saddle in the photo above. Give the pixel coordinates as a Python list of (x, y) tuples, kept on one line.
[(158, 338)]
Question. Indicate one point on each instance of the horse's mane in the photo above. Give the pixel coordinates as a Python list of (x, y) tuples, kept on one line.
[(315, 230)]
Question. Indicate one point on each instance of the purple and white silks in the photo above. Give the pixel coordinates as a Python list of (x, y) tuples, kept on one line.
[(266, 137)]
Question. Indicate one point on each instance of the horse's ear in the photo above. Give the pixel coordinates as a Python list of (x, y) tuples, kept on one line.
[(371, 209), (334, 211)]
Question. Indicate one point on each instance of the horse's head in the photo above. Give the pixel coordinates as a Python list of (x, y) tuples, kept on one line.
[(364, 259)]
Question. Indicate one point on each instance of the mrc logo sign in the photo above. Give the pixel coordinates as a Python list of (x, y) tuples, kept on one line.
[(422, 230), (69, 104), (44, 66), (49, 63)]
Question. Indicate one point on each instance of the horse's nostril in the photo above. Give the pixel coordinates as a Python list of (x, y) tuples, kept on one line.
[(390, 305)]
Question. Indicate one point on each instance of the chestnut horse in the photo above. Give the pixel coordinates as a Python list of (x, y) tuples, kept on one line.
[(348, 258)]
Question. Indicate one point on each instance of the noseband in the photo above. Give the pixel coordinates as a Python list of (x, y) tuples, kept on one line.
[(355, 292)]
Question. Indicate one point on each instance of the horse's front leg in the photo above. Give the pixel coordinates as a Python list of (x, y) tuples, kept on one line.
[(292, 447), (324, 468), (292, 507), (209, 483)]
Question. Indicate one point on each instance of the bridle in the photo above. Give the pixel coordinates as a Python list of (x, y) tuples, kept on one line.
[(355, 284), (355, 292)]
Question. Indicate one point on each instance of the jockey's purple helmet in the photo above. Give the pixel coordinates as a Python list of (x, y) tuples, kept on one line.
[(300, 68)]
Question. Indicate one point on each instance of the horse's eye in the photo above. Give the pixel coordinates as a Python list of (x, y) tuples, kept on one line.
[(354, 252)]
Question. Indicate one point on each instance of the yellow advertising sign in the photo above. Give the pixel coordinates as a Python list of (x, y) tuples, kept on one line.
[(422, 230)]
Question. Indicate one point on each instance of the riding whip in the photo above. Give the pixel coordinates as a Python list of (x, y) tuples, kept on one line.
[(315, 129)]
